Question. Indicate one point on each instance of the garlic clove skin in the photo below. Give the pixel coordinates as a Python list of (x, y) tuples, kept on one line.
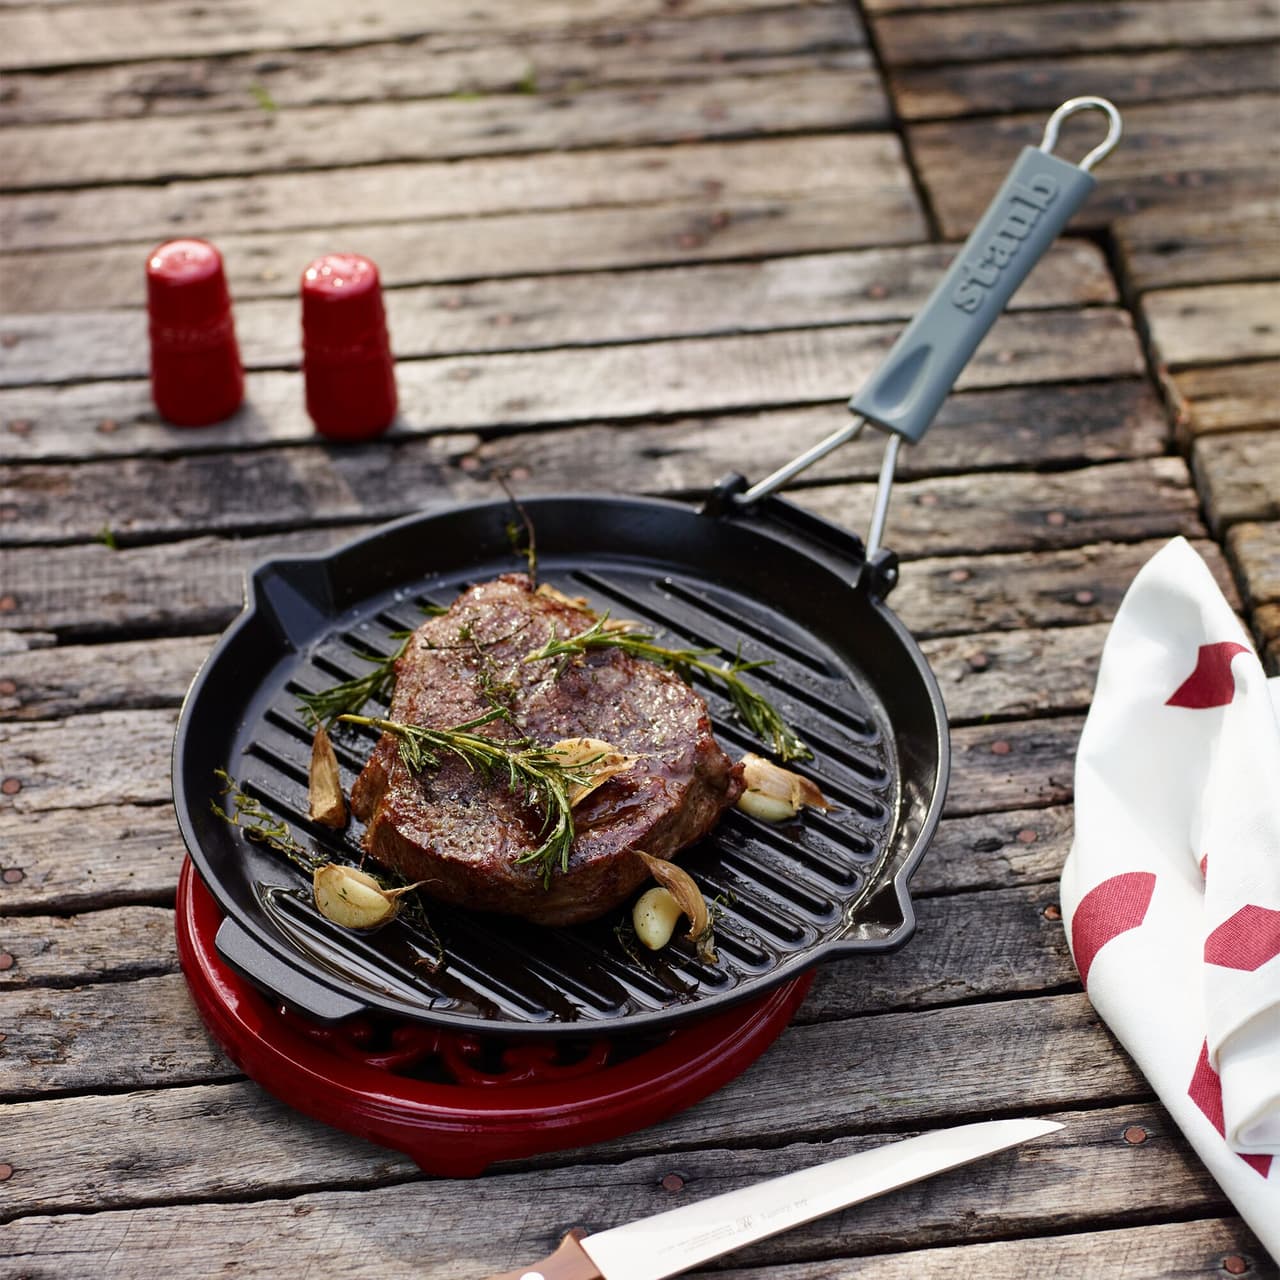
[(325, 802), (594, 759), (775, 794), (351, 898), (654, 917)]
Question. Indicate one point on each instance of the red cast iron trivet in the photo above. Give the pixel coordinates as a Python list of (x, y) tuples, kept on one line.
[(453, 1102)]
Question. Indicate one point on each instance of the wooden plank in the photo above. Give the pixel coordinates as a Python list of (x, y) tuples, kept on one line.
[(1206, 1248), (196, 586), (110, 757), (148, 1033), (996, 850), (531, 313), (1236, 475), (1226, 397), (433, 64), (42, 157), (870, 165), (1016, 673), (1057, 425), (121, 757), (1215, 150), (1003, 511), (125, 1035), (75, 34), (1201, 244), (1040, 84), (634, 381), (1266, 623), (49, 683), (1074, 26), (967, 947), (214, 1126), (1255, 552), (269, 264), (128, 943), (137, 854), (1214, 324), (1013, 1192), (996, 511), (957, 594)]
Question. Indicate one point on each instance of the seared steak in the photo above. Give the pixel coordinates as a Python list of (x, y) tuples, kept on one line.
[(462, 833)]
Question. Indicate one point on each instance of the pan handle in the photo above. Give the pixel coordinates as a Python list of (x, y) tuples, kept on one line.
[(1035, 202), (248, 956)]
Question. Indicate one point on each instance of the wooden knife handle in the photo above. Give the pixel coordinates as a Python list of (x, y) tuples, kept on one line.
[(569, 1262)]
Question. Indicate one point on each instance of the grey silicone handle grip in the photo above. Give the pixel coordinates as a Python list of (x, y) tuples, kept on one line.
[(1030, 209)]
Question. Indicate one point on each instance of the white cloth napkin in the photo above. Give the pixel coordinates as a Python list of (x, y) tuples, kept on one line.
[(1171, 892)]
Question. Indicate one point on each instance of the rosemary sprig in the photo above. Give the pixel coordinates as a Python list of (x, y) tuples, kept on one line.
[(349, 696), (753, 709), (260, 825), (531, 770)]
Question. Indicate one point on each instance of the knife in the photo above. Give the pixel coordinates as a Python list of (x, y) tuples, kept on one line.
[(671, 1242)]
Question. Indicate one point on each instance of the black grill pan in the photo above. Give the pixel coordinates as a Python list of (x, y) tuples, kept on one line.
[(749, 573)]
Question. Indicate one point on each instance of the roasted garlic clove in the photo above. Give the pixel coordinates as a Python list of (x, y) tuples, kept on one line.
[(688, 897), (655, 916), (353, 898), (593, 759), (775, 794), (325, 803)]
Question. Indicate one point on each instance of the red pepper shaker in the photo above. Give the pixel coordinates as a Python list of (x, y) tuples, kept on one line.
[(346, 351), (196, 376)]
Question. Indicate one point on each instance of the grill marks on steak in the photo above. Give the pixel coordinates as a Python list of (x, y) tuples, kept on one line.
[(463, 833)]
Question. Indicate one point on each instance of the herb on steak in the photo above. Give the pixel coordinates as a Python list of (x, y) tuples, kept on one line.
[(348, 697), (753, 709), (539, 773)]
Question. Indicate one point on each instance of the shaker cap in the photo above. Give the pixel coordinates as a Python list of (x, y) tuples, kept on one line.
[(341, 301), (186, 285)]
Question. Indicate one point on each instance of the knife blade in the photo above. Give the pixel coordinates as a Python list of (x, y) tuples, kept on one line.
[(668, 1243)]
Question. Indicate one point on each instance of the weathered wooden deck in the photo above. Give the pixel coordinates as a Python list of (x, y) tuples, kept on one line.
[(628, 244)]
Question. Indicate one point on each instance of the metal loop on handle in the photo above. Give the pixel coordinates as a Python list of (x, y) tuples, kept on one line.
[(1069, 108)]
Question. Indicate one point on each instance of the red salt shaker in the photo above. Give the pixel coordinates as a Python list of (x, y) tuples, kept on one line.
[(346, 351), (196, 376)]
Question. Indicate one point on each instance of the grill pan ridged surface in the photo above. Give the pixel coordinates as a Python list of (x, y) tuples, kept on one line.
[(789, 895)]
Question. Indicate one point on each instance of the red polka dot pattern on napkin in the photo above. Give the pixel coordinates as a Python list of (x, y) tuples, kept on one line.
[(1206, 1092), (1211, 684), (1247, 940), (1109, 909)]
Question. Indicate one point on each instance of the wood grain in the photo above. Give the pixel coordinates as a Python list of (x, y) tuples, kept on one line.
[(434, 64), (78, 33), (299, 139), (709, 173), (1206, 244), (530, 313), (985, 33), (1214, 324), (585, 384), (1046, 80), (1207, 150), (115, 945), (1227, 397), (1236, 474), (218, 1123), (1255, 553)]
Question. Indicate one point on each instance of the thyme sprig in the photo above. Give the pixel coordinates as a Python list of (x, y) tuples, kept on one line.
[(753, 709), (350, 696), (535, 772), (260, 824)]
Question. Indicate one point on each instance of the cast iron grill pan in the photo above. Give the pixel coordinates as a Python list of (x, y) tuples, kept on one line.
[(776, 583), (752, 574)]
